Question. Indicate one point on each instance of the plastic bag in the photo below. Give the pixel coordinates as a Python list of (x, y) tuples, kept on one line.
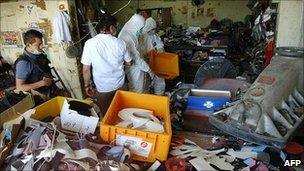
[(159, 85)]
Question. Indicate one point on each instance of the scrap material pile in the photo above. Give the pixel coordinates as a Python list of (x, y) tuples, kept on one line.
[(65, 142), (64, 134), (44, 146), (227, 154)]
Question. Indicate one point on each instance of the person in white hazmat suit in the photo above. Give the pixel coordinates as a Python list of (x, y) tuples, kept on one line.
[(150, 41), (136, 72)]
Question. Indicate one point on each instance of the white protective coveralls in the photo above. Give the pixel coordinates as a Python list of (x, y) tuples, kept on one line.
[(150, 38), (151, 41), (135, 72)]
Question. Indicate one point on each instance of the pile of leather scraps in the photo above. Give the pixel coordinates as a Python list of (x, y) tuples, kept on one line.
[(227, 154), (140, 119), (200, 158), (9, 99), (45, 146)]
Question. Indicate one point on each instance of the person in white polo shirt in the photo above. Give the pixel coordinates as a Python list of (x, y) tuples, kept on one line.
[(106, 55)]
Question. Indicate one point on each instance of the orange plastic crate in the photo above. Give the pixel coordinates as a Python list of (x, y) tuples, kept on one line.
[(164, 64), (160, 107)]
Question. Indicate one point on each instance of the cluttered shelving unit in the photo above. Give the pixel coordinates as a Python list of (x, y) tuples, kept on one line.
[(190, 63)]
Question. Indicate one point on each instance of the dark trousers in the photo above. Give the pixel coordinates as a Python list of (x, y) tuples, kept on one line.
[(104, 100)]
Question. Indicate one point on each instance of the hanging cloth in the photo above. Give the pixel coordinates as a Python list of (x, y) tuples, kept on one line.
[(61, 27)]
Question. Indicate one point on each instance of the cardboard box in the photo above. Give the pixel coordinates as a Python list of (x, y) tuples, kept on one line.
[(77, 122), (15, 111), (10, 114), (15, 127), (20, 112)]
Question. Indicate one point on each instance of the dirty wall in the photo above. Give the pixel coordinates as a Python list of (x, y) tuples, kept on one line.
[(183, 12)]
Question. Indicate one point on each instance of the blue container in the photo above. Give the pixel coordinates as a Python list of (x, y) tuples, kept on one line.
[(206, 103)]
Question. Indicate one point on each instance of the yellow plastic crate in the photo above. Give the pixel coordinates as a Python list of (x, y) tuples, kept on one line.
[(160, 107), (52, 107), (164, 64)]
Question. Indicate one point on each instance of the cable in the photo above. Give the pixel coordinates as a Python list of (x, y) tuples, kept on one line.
[(102, 11), (83, 37), (121, 8)]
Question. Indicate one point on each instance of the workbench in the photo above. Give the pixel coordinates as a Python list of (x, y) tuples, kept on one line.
[(189, 67)]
